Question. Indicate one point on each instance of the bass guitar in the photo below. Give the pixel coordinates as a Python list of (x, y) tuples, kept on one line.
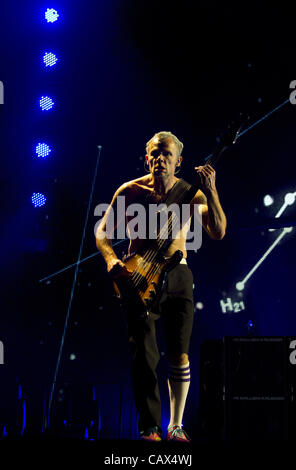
[(143, 288)]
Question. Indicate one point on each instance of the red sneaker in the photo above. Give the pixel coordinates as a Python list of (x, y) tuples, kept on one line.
[(177, 433), (151, 434)]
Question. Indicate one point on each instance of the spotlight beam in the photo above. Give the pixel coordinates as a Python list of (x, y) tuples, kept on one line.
[(272, 246), (53, 384), (281, 210), (77, 263), (264, 117)]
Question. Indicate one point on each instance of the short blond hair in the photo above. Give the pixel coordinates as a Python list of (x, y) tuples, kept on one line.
[(165, 135)]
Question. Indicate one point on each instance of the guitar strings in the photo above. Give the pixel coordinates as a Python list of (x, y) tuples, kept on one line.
[(155, 268), (150, 256)]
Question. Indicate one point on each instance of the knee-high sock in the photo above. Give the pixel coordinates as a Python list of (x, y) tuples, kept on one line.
[(178, 383)]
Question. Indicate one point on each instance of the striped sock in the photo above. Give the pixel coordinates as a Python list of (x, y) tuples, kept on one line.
[(178, 383)]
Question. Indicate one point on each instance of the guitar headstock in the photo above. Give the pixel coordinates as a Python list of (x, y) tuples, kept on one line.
[(230, 136)]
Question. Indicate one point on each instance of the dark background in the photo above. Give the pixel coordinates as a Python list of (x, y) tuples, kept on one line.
[(126, 70)]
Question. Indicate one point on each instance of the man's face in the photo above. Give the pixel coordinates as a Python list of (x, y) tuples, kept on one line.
[(163, 157)]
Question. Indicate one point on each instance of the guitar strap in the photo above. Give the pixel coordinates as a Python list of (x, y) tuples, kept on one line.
[(181, 193)]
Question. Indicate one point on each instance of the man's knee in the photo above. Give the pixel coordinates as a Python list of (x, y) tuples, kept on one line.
[(178, 359)]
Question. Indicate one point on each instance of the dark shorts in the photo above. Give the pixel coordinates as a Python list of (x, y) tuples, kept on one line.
[(176, 309)]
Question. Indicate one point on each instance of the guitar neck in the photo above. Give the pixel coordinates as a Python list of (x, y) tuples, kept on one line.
[(211, 160), (215, 156), (184, 193)]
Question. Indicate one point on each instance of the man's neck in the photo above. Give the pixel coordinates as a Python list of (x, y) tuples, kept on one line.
[(163, 185)]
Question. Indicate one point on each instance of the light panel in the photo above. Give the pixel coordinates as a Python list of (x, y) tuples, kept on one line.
[(38, 199), (51, 15), (42, 150), (49, 59), (46, 103)]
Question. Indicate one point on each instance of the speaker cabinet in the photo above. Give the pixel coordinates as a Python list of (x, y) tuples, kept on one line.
[(247, 389)]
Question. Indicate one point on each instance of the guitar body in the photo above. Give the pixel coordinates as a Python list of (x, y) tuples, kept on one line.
[(142, 290)]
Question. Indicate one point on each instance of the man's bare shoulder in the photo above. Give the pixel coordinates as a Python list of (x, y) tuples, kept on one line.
[(141, 181), (135, 186)]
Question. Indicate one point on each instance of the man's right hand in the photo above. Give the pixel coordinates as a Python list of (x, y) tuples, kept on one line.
[(116, 268)]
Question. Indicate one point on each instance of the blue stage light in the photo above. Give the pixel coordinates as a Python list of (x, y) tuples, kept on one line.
[(46, 103), (38, 199), (49, 59), (51, 15), (42, 150)]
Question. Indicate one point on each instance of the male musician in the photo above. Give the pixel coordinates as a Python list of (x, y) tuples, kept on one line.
[(176, 304)]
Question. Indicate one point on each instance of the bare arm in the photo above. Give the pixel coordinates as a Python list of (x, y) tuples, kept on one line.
[(105, 232), (213, 217)]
